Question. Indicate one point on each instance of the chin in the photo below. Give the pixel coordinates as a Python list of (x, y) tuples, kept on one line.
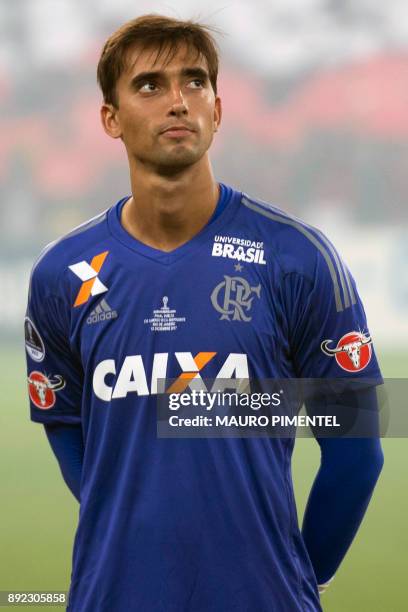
[(179, 159)]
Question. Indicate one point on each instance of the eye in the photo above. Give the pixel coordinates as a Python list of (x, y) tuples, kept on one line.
[(147, 84), (199, 81)]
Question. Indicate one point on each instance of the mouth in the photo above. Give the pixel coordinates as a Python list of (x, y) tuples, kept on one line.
[(177, 132)]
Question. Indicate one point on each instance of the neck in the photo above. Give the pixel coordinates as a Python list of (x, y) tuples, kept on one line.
[(167, 211)]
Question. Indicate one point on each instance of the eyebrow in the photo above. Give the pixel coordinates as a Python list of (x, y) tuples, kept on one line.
[(193, 71)]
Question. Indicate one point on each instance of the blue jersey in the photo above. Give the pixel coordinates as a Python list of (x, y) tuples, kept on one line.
[(193, 524)]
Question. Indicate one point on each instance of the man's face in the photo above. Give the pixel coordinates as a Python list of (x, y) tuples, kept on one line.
[(152, 97)]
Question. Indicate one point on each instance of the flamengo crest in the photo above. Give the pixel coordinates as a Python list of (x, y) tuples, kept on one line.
[(233, 297)]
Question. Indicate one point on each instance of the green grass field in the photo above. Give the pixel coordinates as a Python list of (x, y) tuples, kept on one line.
[(39, 514)]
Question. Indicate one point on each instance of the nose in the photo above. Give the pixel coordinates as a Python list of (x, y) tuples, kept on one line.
[(178, 105)]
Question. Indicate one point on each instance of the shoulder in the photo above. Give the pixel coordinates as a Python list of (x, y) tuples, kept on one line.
[(81, 243), (296, 242), (300, 248)]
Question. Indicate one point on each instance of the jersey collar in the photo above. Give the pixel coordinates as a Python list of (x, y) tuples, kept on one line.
[(227, 205)]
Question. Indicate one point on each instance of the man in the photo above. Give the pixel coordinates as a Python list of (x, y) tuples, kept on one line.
[(187, 279)]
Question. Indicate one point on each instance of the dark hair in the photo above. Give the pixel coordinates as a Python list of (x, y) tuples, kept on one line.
[(154, 31)]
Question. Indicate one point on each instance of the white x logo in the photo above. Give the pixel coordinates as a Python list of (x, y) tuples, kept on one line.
[(88, 273)]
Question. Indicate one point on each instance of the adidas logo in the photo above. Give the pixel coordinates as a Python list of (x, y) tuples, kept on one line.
[(103, 312)]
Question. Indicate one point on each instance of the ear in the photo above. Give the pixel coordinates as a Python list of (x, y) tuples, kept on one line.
[(110, 120), (217, 113)]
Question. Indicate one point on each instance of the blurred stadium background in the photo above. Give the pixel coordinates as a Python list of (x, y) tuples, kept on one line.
[(315, 99)]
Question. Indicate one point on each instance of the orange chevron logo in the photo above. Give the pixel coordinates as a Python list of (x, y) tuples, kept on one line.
[(88, 273), (182, 382)]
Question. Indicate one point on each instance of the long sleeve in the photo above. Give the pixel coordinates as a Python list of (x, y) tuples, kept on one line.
[(67, 444), (340, 494)]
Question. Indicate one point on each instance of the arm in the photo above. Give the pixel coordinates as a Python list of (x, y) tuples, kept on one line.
[(324, 313), (341, 491), (54, 369), (67, 444)]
